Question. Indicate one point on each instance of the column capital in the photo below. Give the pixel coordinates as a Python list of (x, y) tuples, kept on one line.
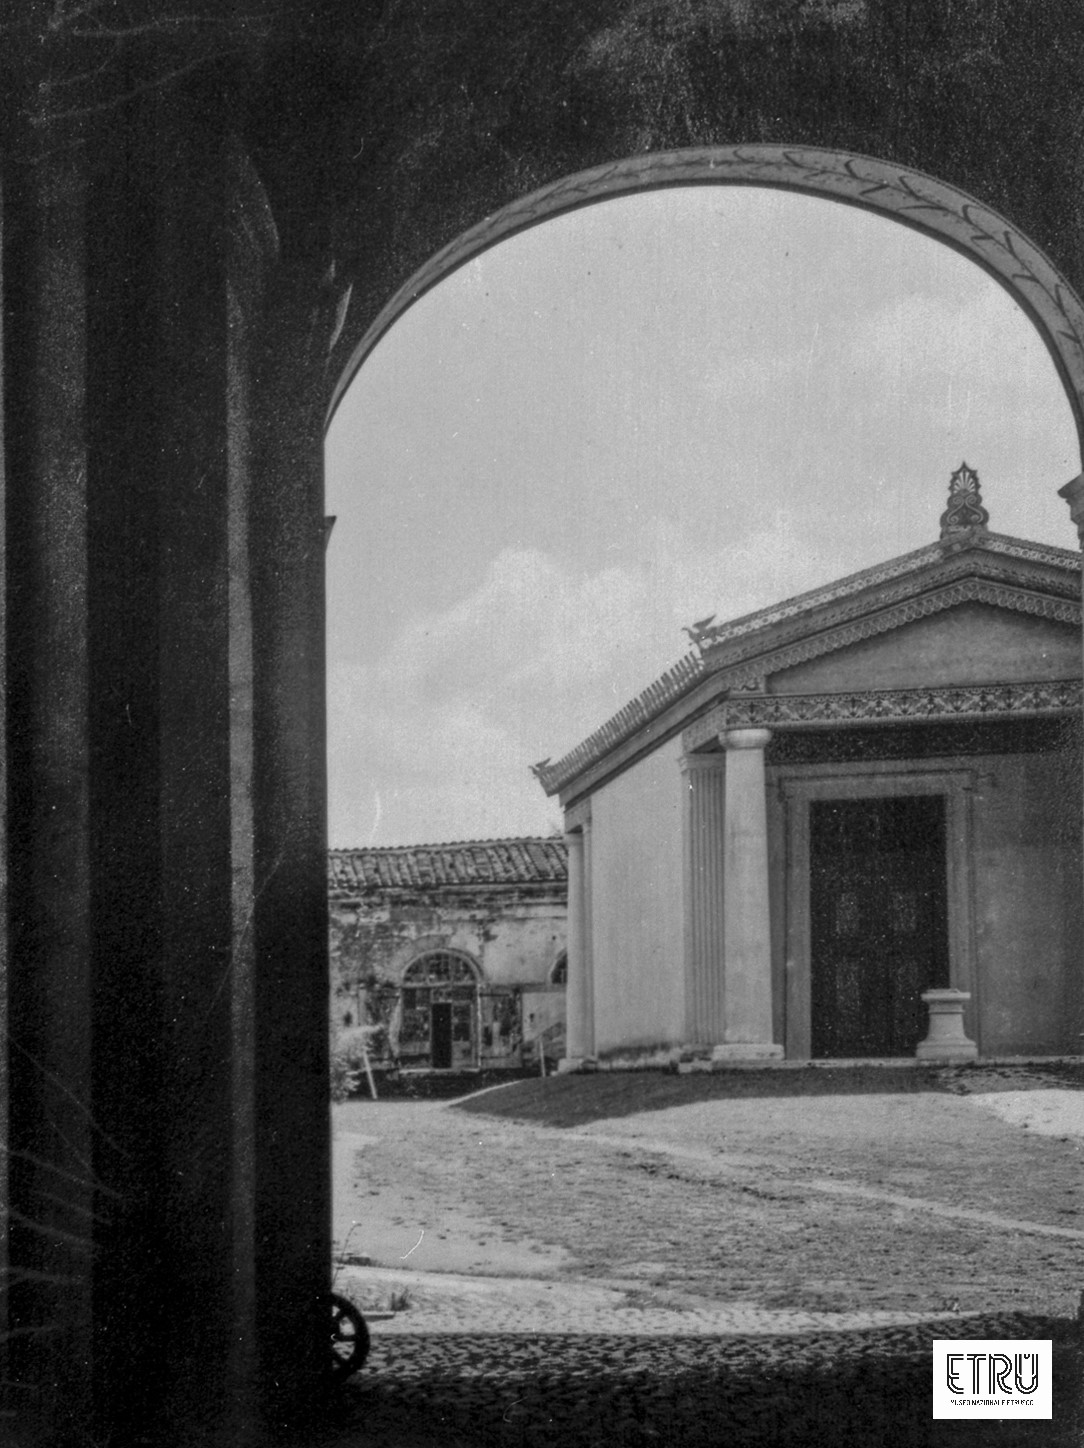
[(702, 763), (745, 738), (1073, 493)]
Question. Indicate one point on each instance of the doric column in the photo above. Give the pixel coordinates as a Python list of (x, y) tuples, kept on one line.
[(577, 990), (747, 927), (588, 948), (703, 831)]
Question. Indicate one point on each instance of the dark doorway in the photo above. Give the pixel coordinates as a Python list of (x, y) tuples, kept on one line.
[(879, 922), (441, 1026)]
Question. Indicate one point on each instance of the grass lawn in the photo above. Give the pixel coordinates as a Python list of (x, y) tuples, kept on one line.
[(576, 1100)]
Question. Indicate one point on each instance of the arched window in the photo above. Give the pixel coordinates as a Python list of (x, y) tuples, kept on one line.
[(559, 973), (439, 1025)]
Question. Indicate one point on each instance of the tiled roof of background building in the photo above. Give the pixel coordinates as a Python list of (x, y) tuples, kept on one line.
[(462, 863)]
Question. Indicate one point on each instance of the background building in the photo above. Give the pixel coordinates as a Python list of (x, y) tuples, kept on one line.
[(451, 957)]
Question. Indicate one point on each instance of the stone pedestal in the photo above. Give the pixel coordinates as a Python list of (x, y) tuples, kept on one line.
[(946, 1040)]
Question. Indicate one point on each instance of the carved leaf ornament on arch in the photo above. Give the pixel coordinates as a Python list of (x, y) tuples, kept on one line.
[(909, 197)]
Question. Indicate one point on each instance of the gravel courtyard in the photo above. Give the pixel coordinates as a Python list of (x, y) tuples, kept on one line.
[(634, 1235)]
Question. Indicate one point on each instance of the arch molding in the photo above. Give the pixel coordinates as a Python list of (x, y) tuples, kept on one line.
[(909, 197)]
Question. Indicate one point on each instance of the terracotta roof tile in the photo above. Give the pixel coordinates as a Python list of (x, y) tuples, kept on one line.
[(461, 863)]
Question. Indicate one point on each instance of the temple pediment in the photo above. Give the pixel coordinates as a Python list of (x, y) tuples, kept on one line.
[(1004, 575), (967, 631), (970, 611)]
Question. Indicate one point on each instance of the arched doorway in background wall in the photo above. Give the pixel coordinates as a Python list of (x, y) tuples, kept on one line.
[(439, 1022)]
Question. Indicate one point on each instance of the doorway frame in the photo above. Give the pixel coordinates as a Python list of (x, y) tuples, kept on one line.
[(478, 981), (798, 786)]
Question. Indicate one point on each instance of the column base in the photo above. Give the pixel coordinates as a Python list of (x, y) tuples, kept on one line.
[(946, 1051), (744, 1053), (569, 1065)]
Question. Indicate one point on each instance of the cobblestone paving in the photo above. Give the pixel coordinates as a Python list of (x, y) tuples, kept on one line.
[(619, 1390)]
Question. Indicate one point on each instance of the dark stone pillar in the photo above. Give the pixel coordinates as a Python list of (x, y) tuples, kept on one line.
[(290, 915), (166, 986), (164, 1053), (51, 1193)]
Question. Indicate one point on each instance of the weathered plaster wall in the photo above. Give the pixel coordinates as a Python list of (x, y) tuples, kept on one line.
[(1027, 838), (972, 643), (513, 941), (636, 905)]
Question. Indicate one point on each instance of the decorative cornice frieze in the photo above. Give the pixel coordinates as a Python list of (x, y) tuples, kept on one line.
[(1048, 553), (968, 590), (886, 706)]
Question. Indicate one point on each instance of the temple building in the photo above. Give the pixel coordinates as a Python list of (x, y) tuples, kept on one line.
[(834, 805), (451, 957)]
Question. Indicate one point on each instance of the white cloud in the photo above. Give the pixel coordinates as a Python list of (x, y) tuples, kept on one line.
[(761, 393), (435, 740)]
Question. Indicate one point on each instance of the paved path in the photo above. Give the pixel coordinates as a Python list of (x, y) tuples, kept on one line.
[(444, 1302), (740, 1162)]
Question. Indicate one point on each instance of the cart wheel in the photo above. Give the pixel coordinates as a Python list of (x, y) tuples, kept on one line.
[(349, 1338)]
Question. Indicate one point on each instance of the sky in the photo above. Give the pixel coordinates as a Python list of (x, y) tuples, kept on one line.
[(653, 409)]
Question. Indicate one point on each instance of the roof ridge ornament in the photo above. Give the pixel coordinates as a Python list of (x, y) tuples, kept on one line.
[(965, 511)]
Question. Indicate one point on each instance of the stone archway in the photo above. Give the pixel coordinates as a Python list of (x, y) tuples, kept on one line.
[(923, 202), (172, 335)]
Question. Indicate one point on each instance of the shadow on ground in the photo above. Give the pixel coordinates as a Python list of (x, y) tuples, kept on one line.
[(861, 1389), (577, 1100)]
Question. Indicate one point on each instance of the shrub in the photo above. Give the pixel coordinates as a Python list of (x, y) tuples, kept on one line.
[(348, 1058)]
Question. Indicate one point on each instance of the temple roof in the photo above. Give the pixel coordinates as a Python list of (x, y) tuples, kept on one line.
[(458, 864), (726, 652)]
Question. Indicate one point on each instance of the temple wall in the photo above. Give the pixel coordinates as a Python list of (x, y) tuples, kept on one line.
[(636, 906), (1027, 850)]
